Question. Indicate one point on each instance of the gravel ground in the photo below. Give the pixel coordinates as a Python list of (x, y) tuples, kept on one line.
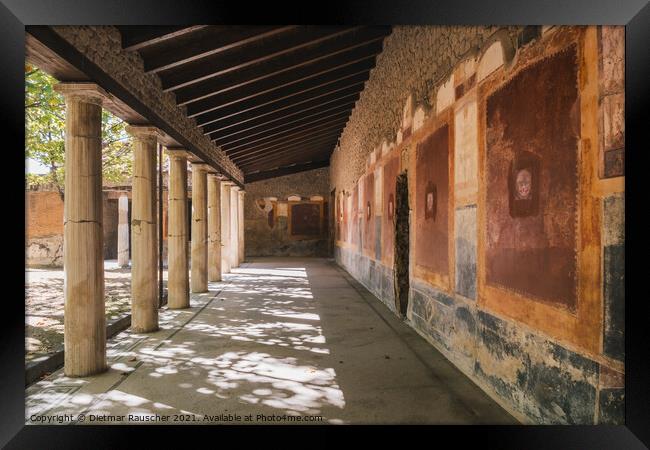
[(44, 305)]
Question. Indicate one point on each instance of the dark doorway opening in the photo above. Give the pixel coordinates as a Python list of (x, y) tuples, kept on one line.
[(332, 221), (401, 263)]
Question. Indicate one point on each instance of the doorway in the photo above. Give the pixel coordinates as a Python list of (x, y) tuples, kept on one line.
[(401, 262)]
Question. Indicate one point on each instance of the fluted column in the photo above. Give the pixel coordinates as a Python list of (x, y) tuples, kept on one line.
[(242, 221), (83, 249), (234, 226), (123, 231), (178, 278), (214, 228), (225, 226), (144, 231), (199, 278)]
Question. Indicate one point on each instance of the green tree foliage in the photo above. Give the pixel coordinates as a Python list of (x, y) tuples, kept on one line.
[(45, 134)]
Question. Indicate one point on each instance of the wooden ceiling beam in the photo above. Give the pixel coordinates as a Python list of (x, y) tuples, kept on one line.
[(318, 154), (339, 90), (295, 68), (139, 37), (210, 43), (321, 83), (289, 135), (281, 171), (214, 66), (321, 150), (303, 140), (301, 144), (268, 126), (281, 114), (284, 128)]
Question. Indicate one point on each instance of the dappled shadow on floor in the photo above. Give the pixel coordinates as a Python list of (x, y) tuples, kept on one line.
[(275, 338), (44, 306)]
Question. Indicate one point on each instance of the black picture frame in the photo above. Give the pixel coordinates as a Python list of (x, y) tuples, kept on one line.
[(15, 15)]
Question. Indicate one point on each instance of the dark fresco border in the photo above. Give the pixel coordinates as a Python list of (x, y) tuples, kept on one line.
[(635, 14)]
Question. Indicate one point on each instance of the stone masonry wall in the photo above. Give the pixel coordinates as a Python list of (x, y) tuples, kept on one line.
[(544, 363), (267, 231), (414, 61)]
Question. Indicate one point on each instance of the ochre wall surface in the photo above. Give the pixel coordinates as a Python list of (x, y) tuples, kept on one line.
[(44, 227), (269, 206), (512, 141)]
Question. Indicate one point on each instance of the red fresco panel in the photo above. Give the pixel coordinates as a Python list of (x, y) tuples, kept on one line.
[(368, 219), (388, 223), (432, 202), (532, 181)]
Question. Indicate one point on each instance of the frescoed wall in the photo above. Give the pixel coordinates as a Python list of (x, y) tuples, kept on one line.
[(431, 205), (287, 216), (532, 181), (390, 171), (514, 154)]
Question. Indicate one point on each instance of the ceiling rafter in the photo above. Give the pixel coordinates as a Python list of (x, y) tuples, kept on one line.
[(288, 136), (314, 149), (275, 115), (275, 99), (307, 85), (213, 67), (345, 55), (290, 101), (140, 37), (302, 140), (265, 127), (212, 45)]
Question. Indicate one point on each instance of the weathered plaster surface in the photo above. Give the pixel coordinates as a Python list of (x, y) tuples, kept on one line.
[(415, 61)]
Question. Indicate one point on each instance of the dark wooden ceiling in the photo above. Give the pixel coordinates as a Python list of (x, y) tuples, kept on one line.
[(272, 97)]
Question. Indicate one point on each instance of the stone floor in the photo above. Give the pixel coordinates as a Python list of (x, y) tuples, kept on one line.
[(280, 340), (44, 305)]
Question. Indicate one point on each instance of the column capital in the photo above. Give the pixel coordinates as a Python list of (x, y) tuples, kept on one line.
[(177, 152), (201, 166), (84, 91), (144, 132)]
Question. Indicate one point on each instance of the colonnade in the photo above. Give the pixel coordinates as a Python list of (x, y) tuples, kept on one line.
[(217, 243)]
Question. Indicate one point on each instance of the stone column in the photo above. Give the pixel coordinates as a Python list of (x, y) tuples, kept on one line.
[(234, 226), (83, 247), (199, 278), (123, 231), (144, 231), (242, 223), (178, 278), (214, 228), (225, 226)]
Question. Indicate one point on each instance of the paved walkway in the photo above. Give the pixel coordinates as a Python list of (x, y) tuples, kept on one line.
[(279, 338)]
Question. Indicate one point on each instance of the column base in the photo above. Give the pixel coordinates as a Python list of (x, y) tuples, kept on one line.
[(85, 374), (145, 330)]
